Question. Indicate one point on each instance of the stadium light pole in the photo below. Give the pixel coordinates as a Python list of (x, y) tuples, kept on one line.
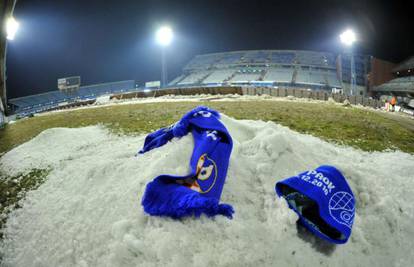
[(10, 29), (348, 38), (164, 37)]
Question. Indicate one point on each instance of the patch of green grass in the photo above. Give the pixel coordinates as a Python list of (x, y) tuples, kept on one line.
[(360, 128), (13, 189)]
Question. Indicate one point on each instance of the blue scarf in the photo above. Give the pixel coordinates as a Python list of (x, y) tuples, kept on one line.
[(198, 192), (323, 200)]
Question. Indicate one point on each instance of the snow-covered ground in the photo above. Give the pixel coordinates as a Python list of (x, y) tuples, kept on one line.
[(88, 212), (105, 101)]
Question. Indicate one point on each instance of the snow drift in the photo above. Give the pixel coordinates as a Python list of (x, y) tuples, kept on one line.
[(88, 211)]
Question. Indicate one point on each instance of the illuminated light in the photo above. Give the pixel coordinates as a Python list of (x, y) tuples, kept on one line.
[(11, 28), (147, 90), (348, 37), (164, 36)]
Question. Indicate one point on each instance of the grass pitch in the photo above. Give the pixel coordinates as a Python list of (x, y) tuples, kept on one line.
[(360, 128)]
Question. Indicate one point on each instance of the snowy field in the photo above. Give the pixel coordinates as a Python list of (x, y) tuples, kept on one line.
[(105, 101), (88, 212)]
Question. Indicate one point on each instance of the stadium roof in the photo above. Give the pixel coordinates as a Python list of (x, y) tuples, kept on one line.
[(402, 85), (405, 65)]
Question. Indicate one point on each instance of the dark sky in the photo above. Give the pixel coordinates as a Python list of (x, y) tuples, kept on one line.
[(105, 41)]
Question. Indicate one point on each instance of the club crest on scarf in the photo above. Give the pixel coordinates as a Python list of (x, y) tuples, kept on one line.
[(206, 175)]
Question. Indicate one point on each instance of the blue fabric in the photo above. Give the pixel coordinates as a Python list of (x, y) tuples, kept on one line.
[(198, 192), (335, 202)]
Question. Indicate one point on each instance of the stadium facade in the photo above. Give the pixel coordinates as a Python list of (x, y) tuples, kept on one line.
[(283, 68)]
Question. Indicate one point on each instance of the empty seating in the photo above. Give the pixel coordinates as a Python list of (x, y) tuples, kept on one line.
[(202, 61), (402, 84), (256, 57), (314, 68), (231, 58), (311, 77), (246, 76), (41, 102), (176, 80), (303, 77), (194, 78), (283, 57), (279, 75), (311, 58), (218, 76)]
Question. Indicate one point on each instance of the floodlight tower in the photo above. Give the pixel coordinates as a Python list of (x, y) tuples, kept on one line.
[(164, 37), (8, 30), (348, 38)]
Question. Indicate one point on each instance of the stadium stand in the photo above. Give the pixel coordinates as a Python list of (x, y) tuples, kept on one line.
[(231, 58), (402, 85), (398, 86), (277, 69), (273, 67), (24, 106), (283, 57), (283, 75), (309, 58), (310, 77), (219, 76), (176, 80), (194, 78), (255, 57), (246, 75)]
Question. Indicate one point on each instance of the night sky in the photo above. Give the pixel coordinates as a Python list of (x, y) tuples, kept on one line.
[(104, 41)]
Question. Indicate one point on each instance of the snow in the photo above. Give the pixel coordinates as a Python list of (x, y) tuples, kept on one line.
[(103, 99), (88, 212)]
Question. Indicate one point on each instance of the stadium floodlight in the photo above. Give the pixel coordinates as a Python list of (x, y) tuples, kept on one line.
[(164, 36), (11, 28), (348, 37)]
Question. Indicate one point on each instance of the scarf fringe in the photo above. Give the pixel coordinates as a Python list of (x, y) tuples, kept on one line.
[(178, 201)]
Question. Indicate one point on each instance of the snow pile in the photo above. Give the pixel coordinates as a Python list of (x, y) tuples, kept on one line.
[(88, 212), (103, 99)]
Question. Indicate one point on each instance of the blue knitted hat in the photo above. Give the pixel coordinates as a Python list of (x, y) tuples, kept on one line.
[(323, 200)]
